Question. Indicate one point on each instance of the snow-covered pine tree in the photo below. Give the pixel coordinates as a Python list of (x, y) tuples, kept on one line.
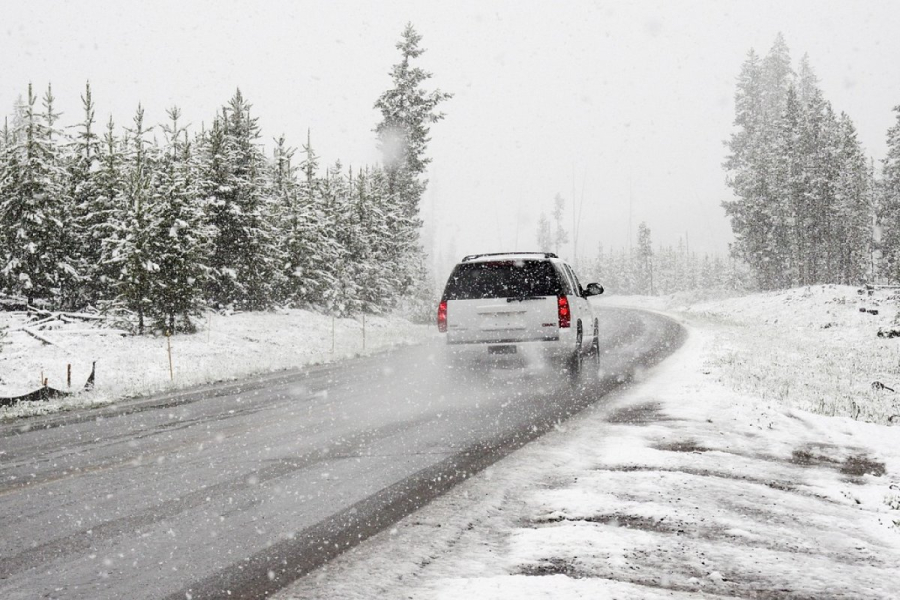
[(67, 243), (408, 110), (663, 271), (788, 197), (383, 278), (368, 244), (628, 279), (244, 256), (644, 260), (560, 235), (746, 168), (401, 249), (850, 223), (759, 213), (818, 148), (4, 157), (101, 217), (311, 247), (381, 215), (718, 281), (180, 236), (889, 211), (778, 172), (707, 273), (342, 297), (289, 212), (33, 211), (90, 208), (544, 234), (130, 247), (777, 75)]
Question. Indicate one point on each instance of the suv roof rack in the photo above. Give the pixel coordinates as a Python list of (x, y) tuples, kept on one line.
[(474, 256)]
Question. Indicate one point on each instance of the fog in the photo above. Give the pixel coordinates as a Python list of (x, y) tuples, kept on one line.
[(622, 107)]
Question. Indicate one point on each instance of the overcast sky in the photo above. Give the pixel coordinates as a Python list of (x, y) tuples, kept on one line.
[(625, 103)]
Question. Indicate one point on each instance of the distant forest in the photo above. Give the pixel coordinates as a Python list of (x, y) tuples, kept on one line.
[(159, 223), (664, 270), (644, 270), (809, 206)]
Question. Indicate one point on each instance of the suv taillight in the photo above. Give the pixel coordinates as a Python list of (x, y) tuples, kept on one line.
[(565, 316), (442, 316)]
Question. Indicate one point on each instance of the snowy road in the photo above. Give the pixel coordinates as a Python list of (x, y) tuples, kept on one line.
[(235, 490)]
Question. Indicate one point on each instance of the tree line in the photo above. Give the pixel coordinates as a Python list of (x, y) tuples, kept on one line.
[(162, 223), (641, 269), (664, 270), (806, 195)]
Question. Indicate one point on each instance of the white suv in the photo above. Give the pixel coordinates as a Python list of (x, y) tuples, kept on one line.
[(528, 303)]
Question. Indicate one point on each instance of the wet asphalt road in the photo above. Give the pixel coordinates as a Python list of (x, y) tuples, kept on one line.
[(236, 490)]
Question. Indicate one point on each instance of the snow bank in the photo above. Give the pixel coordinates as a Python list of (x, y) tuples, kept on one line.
[(227, 347)]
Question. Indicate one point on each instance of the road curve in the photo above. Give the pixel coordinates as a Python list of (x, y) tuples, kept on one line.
[(236, 490)]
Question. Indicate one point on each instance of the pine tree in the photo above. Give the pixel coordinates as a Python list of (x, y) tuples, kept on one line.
[(408, 111), (777, 75), (370, 245), (130, 247), (179, 243), (560, 236), (748, 166), (341, 298), (244, 254), (645, 260), (33, 209), (312, 250), (385, 217), (889, 213), (289, 211), (788, 197), (545, 234), (90, 208), (99, 219)]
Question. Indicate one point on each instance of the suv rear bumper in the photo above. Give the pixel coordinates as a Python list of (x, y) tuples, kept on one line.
[(510, 351)]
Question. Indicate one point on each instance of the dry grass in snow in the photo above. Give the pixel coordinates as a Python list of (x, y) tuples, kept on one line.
[(809, 348)]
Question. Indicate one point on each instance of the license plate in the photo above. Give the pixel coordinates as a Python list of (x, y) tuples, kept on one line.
[(501, 349)]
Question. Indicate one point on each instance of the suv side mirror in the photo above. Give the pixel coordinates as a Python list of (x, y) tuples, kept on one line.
[(593, 289)]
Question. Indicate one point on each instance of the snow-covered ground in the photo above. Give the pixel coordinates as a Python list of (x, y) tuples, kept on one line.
[(815, 348), (710, 478), (226, 347)]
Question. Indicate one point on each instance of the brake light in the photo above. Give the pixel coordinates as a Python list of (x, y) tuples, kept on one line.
[(565, 316), (442, 316)]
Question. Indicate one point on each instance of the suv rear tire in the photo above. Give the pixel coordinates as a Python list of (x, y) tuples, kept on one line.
[(575, 363)]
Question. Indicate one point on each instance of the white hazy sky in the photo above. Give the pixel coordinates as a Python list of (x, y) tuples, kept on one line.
[(631, 100)]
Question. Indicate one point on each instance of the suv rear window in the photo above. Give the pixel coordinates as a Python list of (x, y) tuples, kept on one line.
[(502, 279)]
